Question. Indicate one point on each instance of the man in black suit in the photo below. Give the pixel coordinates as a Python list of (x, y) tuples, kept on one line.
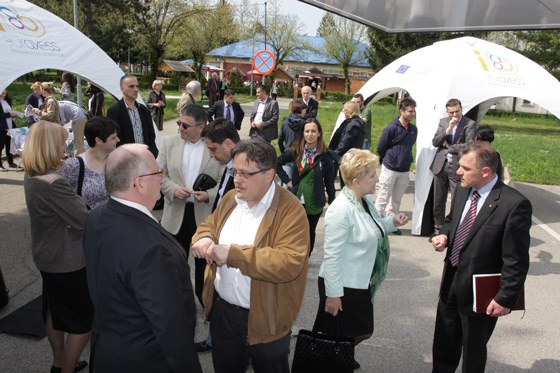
[(228, 109), (220, 137), (452, 135), (312, 104), (134, 119), (487, 232), (264, 118), (138, 276)]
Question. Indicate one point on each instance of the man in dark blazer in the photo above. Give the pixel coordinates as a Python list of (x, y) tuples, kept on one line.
[(220, 137), (134, 119), (497, 242), (264, 118), (138, 275), (228, 109), (312, 104), (452, 135)]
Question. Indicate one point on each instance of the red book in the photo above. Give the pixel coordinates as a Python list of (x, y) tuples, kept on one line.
[(485, 288)]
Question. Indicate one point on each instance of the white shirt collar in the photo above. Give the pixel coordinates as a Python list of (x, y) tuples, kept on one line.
[(134, 205)]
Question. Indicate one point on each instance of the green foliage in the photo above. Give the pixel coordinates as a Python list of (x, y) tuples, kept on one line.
[(235, 80), (336, 96), (327, 25), (543, 47)]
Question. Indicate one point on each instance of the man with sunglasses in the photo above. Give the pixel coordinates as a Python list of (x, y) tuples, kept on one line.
[(134, 119), (138, 275), (257, 243), (183, 157)]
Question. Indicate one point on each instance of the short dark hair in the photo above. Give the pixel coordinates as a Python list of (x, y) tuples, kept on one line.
[(258, 151), (124, 77), (101, 127), (453, 102), (359, 95), (219, 130), (228, 92), (406, 103), (485, 133), (262, 87), (196, 112), (297, 106), (486, 155)]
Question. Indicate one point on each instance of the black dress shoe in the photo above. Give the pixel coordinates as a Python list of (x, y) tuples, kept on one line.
[(397, 232), (79, 366), (356, 365), (13, 165)]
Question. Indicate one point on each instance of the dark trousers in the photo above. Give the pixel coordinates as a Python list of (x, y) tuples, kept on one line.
[(230, 347), (456, 331), (445, 181), (184, 237), (313, 220), (5, 141)]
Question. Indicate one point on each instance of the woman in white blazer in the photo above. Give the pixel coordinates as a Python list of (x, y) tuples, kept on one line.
[(356, 251)]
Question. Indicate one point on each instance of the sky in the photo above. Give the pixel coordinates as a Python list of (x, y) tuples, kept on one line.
[(308, 15)]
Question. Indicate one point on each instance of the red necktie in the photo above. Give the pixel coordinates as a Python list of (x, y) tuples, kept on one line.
[(463, 230)]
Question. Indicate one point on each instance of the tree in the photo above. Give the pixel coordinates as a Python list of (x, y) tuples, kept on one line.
[(342, 42), (327, 25), (204, 31), (542, 47), (283, 35)]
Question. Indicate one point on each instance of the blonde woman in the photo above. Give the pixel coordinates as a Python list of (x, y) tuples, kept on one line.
[(35, 99), (356, 251), (49, 110), (58, 217), (156, 103)]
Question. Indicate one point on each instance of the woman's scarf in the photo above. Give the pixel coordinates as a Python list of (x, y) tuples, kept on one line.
[(383, 248)]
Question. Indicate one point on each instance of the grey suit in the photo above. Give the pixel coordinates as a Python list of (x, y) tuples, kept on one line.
[(139, 281), (445, 172), (181, 218), (269, 123)]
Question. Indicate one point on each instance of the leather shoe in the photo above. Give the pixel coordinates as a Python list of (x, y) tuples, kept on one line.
[(397, 232), (202, 347), (356, 365), (13, 165), (79, 366)]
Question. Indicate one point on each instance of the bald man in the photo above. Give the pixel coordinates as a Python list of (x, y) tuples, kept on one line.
[(138, 276)]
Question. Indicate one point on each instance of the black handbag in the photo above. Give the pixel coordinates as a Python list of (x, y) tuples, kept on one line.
[(204, 182), (316, 352)]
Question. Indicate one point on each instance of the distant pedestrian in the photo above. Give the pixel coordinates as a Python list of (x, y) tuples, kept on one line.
[(156, 103)]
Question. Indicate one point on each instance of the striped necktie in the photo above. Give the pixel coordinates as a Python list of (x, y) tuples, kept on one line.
[(463, 230)]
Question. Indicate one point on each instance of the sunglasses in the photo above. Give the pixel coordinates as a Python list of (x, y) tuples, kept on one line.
[(185, 126), (159, 172)]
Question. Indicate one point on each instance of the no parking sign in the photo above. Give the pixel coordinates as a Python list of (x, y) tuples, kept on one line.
[(264, 62)]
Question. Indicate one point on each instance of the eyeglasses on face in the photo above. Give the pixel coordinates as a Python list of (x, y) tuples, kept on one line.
[(159, 172), (245, 175), (185, 126)]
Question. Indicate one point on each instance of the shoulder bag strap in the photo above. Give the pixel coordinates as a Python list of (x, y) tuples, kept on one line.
[(80, 176)]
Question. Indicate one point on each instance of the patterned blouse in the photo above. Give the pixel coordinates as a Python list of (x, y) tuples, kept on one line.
[(93, 187)]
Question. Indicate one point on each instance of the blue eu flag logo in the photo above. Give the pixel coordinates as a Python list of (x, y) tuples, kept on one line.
[(402, 69)]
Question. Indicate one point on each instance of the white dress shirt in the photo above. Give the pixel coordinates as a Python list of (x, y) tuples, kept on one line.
[(260, 112), (192, 157), (240, 228)]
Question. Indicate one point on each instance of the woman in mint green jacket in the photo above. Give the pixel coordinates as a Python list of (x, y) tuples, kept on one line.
[(356, 251)]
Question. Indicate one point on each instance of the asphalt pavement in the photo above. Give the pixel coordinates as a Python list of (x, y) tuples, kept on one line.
[(405, 304)]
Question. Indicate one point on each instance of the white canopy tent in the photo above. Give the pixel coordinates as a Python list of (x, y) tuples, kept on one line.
[(32, 39), (475, 71)]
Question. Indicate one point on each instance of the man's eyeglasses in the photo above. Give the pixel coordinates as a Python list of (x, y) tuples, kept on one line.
[(159, 172), (245, 175), (185, 126)]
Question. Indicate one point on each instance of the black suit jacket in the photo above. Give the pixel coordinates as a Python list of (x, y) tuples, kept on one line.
[(312, 109), (140, 285), (32, 100), (498, 242), (464, 134), (119, 113), (217, 111)]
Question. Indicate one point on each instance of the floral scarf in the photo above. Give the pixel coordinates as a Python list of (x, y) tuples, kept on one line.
[(383, 248)]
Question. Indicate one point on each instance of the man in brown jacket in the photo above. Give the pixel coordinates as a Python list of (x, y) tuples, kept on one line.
[(257, 243)]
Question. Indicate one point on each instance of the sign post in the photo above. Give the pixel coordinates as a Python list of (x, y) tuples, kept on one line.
[(264, 62)]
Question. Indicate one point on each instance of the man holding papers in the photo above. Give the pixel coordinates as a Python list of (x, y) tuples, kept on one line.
[(487, 231)]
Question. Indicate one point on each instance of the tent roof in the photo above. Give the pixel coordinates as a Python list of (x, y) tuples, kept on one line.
[(477, 72), (175, 66), (447, 15)]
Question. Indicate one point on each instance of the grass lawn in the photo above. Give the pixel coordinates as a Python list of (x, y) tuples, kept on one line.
[(529, 144)]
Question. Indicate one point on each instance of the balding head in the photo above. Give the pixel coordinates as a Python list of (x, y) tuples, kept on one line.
[(130, 174)]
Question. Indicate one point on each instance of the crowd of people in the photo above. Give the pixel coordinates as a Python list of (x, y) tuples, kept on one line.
[(110, 269)]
